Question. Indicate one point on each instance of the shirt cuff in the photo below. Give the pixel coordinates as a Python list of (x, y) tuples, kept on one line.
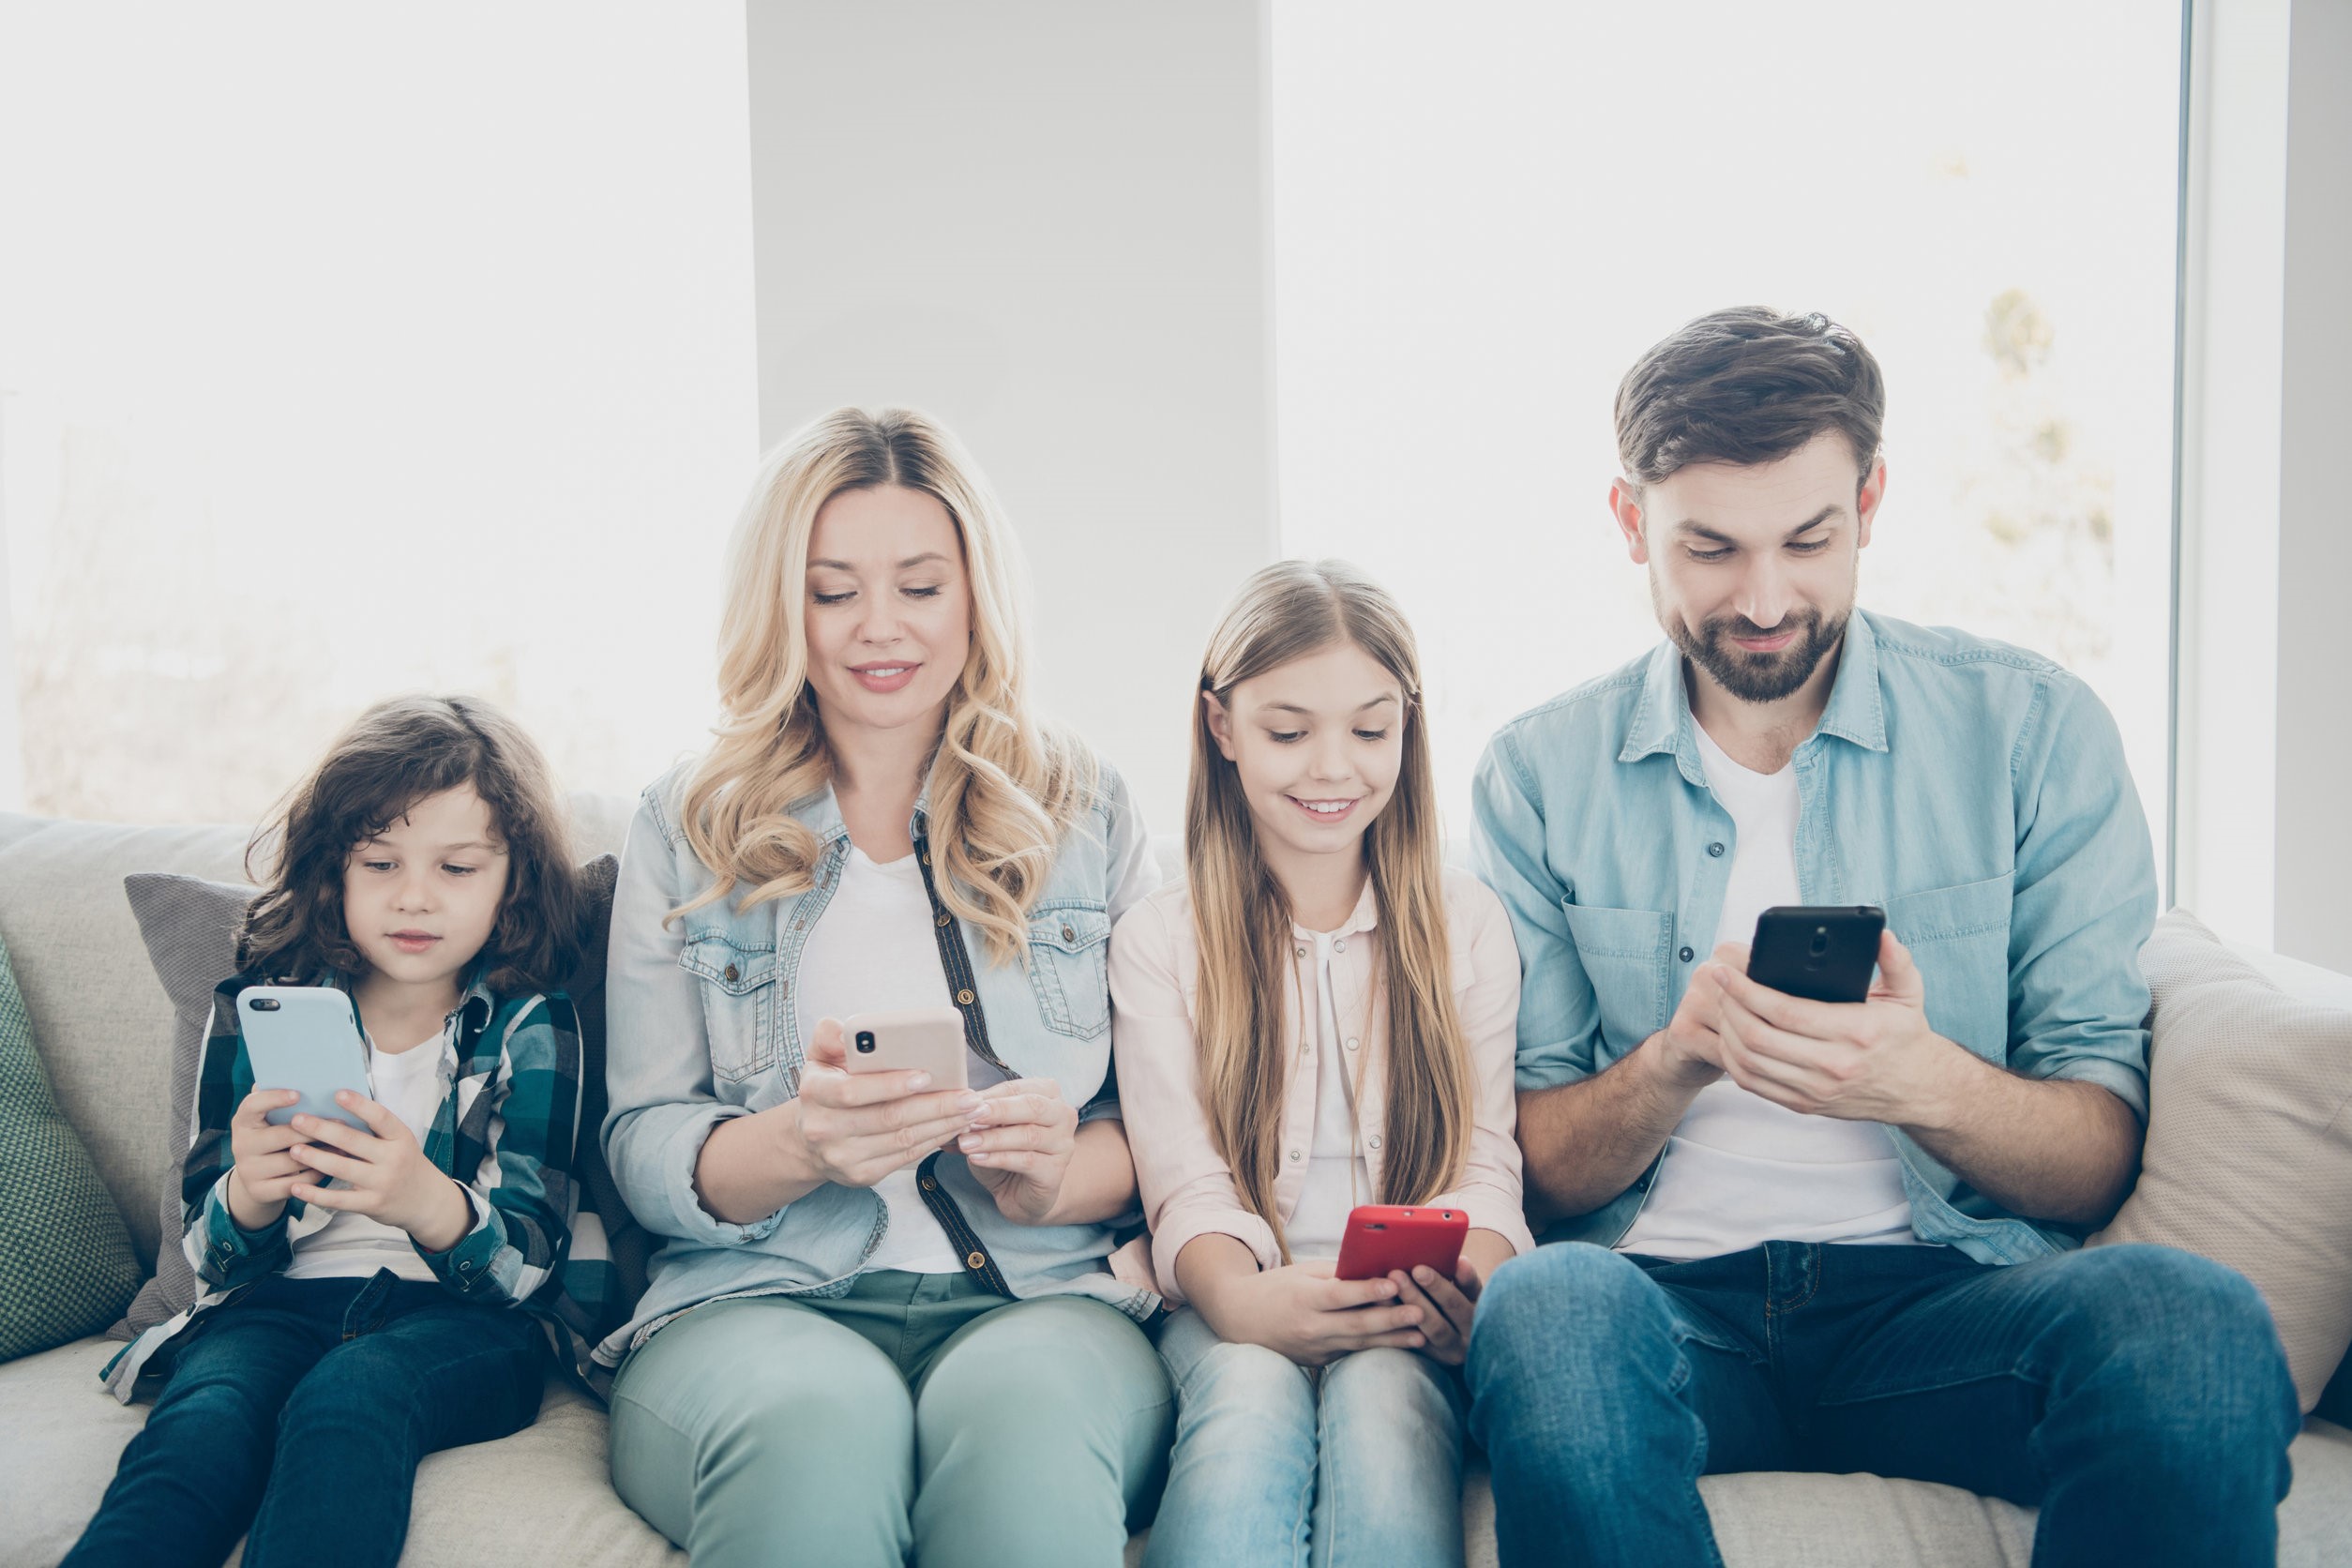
[(1180, 1229), (1490, 1209), (465, 1267), (680, 1154)]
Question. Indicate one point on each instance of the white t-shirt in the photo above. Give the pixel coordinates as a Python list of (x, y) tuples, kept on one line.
[(874, 950), (1319, 1220), (1739, 1169), (409, 1085)]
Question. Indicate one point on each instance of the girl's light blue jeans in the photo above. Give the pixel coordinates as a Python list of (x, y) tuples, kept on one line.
[(1274, 1465)]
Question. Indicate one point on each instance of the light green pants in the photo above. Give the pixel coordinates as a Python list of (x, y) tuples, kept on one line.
[(917, 1416)]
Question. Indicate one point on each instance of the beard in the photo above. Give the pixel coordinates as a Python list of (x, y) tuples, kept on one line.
[(1757, 677)]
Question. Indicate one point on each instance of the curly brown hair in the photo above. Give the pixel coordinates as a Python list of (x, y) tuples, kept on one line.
[(397, 753)]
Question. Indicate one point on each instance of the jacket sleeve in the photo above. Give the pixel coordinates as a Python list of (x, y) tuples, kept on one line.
[(522, 1193), (1560, 1014), (657, 1051), (1186, 1187)]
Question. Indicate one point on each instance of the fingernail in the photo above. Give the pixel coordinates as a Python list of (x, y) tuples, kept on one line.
[(921, 1081), (968, 1142), (969, 1102)]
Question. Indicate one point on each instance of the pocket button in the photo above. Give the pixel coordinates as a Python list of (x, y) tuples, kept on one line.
[(732, 973)]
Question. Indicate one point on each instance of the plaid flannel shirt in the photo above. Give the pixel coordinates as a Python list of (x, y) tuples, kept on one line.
[(505, 1130)]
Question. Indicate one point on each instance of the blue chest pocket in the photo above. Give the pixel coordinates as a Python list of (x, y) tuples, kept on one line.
[(742, 994), (1624, 954), (1959, 937), (1069, 967)]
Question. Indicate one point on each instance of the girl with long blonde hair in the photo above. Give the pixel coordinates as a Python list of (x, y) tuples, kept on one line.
[(1322, 1016), (884, 1321)]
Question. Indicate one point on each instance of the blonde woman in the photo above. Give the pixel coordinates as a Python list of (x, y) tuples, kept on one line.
[(884, 1320), (1321, 1017)]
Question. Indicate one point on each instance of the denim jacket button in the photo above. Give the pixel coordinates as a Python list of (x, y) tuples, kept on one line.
[(731, 974), (1684, 954), (1715, 849)]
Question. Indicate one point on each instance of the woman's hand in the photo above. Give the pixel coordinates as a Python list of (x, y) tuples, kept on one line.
[(389, 1179), (1019, 1147), (1447, 1307), (1312, 1318), (263, 1171), (856, 1129)]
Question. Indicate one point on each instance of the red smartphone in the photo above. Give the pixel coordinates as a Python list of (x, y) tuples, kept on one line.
[(1385, 1237)]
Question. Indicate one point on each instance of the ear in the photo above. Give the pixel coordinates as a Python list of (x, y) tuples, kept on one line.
[(1220, 723), (1625, 505), (1873, 490)]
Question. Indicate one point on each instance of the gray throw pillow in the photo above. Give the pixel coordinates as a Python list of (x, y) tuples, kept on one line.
[(190, 927), (2249, 1152)]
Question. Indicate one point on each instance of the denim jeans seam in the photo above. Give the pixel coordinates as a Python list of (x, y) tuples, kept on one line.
[(1694, 1466), (1889, 1388)]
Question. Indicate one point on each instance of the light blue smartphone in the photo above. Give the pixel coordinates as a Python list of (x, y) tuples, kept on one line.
[(305, 1038)]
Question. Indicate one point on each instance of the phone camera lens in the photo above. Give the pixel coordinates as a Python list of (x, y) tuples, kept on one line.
[(264, 1004), (1820, 940), (866, 1041)]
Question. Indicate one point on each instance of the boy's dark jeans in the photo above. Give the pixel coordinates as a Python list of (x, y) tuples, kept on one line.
[(2137, 1395), (296, 1414)]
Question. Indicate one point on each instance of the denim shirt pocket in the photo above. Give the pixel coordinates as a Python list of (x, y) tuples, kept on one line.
[(1959, 937), (740, 999), (1069, 967), (1624, 954)]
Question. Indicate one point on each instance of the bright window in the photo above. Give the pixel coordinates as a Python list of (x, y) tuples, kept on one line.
[(1482, 215), (345, 351)]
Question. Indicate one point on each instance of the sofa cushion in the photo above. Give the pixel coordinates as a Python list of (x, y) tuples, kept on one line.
[(64, 1252), (190, 925), (2248, 1153)]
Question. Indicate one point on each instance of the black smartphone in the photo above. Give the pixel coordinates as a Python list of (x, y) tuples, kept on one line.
[(1826, 954)]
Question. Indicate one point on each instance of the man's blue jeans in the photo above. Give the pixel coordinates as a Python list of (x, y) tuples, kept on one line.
[(2136, 1393), (300, 1410)]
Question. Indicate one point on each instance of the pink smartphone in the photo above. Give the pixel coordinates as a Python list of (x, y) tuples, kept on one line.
[(912, 1039)]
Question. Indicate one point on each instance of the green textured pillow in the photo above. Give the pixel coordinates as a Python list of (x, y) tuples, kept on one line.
[(66, 1263)]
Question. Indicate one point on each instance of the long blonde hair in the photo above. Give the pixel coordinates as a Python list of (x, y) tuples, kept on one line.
[(1004, 786), (1242, 918)]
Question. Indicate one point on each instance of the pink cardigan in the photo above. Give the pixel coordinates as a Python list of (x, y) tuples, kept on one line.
[(1188, 1188)]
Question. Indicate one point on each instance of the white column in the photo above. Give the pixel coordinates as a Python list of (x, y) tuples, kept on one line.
[(1044, 222), (2314, 827), (2227, 728)]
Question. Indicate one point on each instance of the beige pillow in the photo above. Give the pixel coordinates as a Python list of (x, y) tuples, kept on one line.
[(2249, 1158)]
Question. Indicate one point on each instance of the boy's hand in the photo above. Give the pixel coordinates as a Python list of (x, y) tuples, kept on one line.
[(390, 1180), (265, 1170)]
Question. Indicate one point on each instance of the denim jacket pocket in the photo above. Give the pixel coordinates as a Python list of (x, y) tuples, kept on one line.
[(1069, 967), (1624, 954), (1959, 936), (739, 997)]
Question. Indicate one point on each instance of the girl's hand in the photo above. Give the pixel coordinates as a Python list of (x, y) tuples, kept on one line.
[(391, 1181), (1019, 1147), (263, 1171), (856, 1129), (1447, 1307), (1314, 1319)]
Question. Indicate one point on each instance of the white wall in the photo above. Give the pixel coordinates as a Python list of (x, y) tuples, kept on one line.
[(11, 722), (2315, 548), (1044, 222), (2265, 723)]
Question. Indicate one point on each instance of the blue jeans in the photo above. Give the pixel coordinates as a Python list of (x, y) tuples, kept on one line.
[(1265, 1470), (350, 1383), (2137, 1395)]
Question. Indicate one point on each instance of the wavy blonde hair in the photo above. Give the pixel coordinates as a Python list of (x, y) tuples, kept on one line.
[(1241, 917), (1004, 786)]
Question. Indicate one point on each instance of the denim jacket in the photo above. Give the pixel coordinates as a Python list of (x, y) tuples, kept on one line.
[(1975, 790), (702, 1026)]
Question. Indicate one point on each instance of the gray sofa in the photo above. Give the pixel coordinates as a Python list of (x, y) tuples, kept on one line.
[(105, 1030)]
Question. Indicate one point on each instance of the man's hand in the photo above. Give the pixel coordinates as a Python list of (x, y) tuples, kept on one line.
[(390, 1180), (1690, 1046), (1869, 1061)]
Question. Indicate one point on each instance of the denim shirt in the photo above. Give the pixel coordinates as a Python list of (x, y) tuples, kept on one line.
[(702, 1026), (1976, 791)]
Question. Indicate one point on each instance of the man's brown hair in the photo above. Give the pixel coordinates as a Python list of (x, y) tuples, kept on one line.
[(1747, 387), (394, 755)]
